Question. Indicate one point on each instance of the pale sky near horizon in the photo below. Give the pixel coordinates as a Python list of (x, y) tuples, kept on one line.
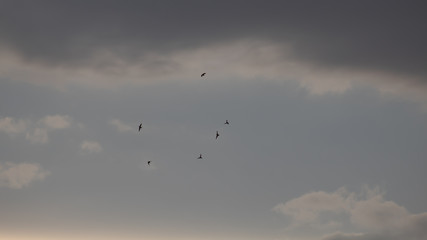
[(327, 104)]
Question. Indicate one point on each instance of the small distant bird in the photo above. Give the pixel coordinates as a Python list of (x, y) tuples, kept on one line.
[(200, 157), (148, 163), (140, 126), (203, 74), (226, 122), (217, 135)]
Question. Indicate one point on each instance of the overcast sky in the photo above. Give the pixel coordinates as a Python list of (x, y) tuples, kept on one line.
[(326, 100)]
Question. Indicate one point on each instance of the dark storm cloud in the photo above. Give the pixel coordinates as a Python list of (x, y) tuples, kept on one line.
[(385, 36)]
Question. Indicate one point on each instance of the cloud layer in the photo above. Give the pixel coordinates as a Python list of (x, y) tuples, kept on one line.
[(326, 46), (327, 33)]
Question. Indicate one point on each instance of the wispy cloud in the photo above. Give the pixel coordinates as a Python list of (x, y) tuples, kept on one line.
[(56, 121), (91, 147), (120, 126), (17, 176)]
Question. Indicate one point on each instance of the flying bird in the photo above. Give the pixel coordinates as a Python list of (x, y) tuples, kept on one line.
[(140, 126), (148, 163), (226, 122), (200, 157), (217, 135), (203, 74)]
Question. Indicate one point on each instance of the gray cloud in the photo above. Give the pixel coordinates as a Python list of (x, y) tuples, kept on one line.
[(413, 230), (383, 36), (355, 236)]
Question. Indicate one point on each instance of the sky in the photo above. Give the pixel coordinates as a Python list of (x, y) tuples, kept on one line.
[(326, 100)]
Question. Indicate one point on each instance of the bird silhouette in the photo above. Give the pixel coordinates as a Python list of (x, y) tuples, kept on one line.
[(226, 122), (200, 157), (203, 74), (217, 135), (140, 126), (148, 163)]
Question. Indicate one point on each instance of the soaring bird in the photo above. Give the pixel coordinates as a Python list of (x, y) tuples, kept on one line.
[(140, 126), (200, 157), (217, 135), (226, 122), (203, 74), (148, 163)]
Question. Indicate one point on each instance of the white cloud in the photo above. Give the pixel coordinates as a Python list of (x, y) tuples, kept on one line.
[(12, 126), (56, 121), (120, 126), (38, 135), (376, 213), (91, 147), (20, 175), (307, 208), (367, 212), (34, 131)]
